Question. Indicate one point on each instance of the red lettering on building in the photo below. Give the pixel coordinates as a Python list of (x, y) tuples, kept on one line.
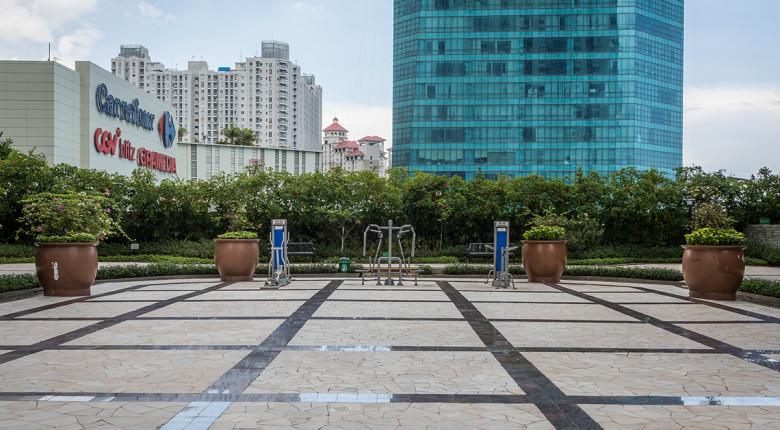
[(157, 161), (107, 143)]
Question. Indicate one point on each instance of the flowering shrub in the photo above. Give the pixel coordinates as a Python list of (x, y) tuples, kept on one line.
[(70, 217), (543, 232), (715, 237), (238, 235)]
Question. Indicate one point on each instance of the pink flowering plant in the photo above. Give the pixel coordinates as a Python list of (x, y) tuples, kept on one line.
[(69, 217)]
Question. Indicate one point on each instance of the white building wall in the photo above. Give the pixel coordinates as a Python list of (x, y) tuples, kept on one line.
[(206, 160), (39, 109)]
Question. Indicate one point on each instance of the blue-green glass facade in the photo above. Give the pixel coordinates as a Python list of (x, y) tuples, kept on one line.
[(519, 87)]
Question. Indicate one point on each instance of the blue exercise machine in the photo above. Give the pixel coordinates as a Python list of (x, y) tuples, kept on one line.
[(501, 248), (279, 265)]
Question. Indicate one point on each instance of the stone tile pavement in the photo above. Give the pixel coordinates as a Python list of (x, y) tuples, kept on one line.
[(330, 353)]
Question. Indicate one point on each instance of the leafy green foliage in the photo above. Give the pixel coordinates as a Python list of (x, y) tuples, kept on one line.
[(68, 217), (238, 235), (763, 287), (711, 215), (582, 231), (543, 232), (767, 253), (639, 209), (715, 237)]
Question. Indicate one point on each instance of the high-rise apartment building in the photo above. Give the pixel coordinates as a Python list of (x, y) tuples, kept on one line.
[(518, 87), (267, 94)]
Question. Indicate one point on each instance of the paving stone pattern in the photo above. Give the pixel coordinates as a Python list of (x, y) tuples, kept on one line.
[(451, 353)]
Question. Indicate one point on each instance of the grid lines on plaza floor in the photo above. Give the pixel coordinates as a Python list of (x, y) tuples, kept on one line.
[(332, 353)]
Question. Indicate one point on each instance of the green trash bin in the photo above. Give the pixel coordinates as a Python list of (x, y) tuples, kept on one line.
[(344, 264)]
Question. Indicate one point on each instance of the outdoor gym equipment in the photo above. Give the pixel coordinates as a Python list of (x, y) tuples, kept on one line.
[(501, 250), (376, 263), (279, 265)]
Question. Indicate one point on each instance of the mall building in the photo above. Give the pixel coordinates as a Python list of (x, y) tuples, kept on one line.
[(92, 119)]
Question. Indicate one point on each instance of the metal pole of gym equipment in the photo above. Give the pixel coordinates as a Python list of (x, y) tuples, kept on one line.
[(389, 280)]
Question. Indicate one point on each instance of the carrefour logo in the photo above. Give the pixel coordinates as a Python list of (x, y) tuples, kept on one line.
[(166, 129)]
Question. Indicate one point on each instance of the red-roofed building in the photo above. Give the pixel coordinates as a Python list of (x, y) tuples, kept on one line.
[(368, 153)]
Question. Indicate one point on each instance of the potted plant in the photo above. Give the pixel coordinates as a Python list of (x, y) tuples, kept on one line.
[(236, 252), (713, 263), (67, 228), (544, 253)]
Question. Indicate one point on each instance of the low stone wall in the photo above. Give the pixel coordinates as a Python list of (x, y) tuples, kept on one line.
[(763, 234)]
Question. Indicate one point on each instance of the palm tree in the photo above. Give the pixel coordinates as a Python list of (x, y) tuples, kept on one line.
[(246, 137), (232, 133), (181, 132)]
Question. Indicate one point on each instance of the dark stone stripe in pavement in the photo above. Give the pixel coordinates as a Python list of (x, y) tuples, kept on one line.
[(539, 389), (238, 378), (105, 323), (723, 347)]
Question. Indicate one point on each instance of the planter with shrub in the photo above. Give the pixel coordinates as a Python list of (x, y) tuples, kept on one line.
[(544, 253), (67, 228), (713, 263), (236, 255)]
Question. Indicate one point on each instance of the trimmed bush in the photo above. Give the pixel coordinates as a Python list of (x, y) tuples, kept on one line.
[(625, 272), (17, 282), (611, 272), (715, 237)]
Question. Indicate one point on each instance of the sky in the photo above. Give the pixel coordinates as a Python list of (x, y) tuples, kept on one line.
[(732, 61)]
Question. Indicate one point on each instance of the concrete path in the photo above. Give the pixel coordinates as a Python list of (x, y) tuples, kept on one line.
[(450, 354)]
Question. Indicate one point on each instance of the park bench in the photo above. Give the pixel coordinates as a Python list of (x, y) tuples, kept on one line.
[(299, 249), (482, 250)]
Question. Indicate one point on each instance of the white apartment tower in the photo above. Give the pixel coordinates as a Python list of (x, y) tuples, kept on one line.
[(367, 153), (268, 94)]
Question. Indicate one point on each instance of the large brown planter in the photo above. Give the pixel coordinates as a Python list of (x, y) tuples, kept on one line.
[(713, 272), (66, 269), (236, 259), (544, 260)]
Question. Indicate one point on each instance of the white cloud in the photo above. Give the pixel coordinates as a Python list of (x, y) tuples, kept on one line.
[(733, 128), (305, 7), (77, 45), (152, 11), (360, 119), (39, 20), (29, 24)]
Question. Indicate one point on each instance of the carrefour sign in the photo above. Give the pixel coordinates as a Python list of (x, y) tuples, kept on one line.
[(113, 143), (117, 108)]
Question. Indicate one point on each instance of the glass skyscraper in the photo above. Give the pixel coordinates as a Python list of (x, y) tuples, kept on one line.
[(519, 87)]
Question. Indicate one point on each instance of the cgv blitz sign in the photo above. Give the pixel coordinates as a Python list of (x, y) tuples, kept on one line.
[(111, 143)]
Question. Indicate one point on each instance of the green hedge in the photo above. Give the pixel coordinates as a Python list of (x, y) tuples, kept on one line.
[(763, 287), (17, 282), (612, 272), (625, 272)]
